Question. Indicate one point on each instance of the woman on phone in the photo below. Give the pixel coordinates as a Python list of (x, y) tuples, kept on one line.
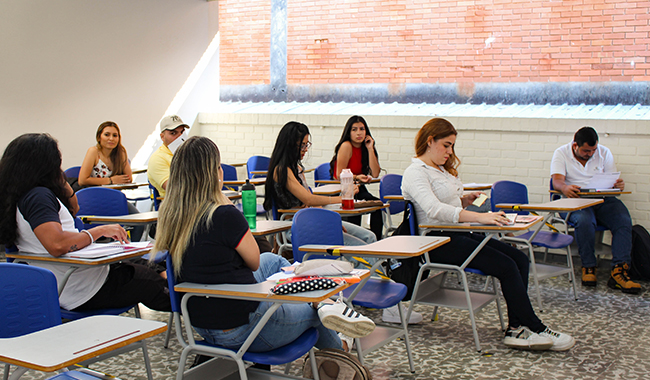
[(356, 151), (286, 184), (431, 183)]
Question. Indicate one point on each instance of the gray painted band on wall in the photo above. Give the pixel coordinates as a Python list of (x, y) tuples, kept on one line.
[(474, 93)]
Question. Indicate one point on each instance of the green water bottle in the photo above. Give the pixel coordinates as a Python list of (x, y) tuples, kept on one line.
[(249, 203)]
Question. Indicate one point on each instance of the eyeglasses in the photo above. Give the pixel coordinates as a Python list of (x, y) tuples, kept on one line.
[(305, 146)]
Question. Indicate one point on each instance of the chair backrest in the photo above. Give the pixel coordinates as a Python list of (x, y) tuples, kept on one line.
[(155, 195), (257, 163), (315, 226), (553, 196), (101, 201), (391, 184), (412, 218), (508, 192), (171, 282), (322, 172), (72, 172), (229, 174), (30, 300)]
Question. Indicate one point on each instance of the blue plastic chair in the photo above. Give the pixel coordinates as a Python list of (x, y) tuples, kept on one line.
[(514, 192), (257, 163), (30, 303), (101, 201), (282, 355), (322, 172), (155, 197), (72, 172), (321, 226), (453, 297), (391, 184), (229, 174)]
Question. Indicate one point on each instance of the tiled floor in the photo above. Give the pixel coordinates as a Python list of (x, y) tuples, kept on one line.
[(611, 330)]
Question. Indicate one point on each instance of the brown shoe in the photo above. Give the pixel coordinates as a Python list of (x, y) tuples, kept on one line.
[(589, 276), (619, 279)]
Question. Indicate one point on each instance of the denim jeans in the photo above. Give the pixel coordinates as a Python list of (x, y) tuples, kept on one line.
[(611, 214), (285, 325)]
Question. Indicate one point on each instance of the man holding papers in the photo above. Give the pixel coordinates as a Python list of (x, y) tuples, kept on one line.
[(573, 167)]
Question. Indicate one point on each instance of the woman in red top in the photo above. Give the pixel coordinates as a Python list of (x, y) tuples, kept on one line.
[(356, 151)]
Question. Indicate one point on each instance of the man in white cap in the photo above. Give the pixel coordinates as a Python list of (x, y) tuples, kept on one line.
[(171, 128)]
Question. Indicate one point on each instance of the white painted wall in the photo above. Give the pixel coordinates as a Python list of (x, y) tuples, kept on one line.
[(68, 65), (490, 149)]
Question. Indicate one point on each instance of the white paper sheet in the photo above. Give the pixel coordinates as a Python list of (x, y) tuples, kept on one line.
[(602, 181)]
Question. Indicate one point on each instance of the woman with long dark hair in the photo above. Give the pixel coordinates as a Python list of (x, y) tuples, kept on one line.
[(356, 151), (286, 184), (37, 216), (431, 183), (210, 243)]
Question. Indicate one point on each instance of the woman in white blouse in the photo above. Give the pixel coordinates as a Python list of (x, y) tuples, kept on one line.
[(431, 182)]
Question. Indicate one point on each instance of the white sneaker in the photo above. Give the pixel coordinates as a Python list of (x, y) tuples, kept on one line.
[(391, 315), (348, 340), (339, 317), (561, 341), (524, 339)]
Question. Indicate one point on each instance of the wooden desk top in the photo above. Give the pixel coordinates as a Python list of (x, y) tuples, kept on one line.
[(238, 164), (336, 181), (394, 197), (268, 227), (239, 182), (339, 209), (139, 170), (73, 342), (394, 246), (261, 291), (476, 186), (259, 172), (125, 186), (587, 194), (561, 205), (77, 261), (331, 189), (482, 227), (130, 219)]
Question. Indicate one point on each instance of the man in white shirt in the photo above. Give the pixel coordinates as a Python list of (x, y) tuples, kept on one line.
[(572, 167)]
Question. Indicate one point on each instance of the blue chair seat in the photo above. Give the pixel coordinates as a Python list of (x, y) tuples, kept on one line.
[(548, 239), (160, 256), (73, 375), (281, 355), (378, 294)]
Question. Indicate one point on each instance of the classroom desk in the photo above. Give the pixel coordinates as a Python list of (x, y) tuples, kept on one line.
[(74, 263), (270, 227), (339, 209), (432, 291), (239, 182), (336, 181), (259, 172), (251, 292), (141, 219), (477, 186), (568, 205), (74, 342), (331, 189), (594, 194), (238, 164), (125, 186), (394, 247), (138, 171)]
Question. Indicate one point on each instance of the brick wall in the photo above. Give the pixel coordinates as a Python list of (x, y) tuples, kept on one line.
[(408, 41), (490, 149)]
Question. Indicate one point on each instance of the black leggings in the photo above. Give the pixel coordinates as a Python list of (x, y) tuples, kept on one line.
[(128, 284), (376, 218), (497, 259)]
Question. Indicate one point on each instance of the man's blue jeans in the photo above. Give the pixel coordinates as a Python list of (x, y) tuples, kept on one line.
[(284, 326), (611, 214)]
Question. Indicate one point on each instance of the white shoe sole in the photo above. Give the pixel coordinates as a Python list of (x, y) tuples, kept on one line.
[(564, 347), (415, 318), (353, 329), (525, 345)]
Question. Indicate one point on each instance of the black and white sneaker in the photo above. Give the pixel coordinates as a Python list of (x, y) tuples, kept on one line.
[(524, 339), (339, 317)]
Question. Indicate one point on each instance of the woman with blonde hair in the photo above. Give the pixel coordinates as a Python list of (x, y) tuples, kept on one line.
[(210, 243), (431, 182)]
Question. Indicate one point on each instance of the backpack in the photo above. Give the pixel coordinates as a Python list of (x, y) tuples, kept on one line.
[(336, 365), (640, 263), (407, 271)]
